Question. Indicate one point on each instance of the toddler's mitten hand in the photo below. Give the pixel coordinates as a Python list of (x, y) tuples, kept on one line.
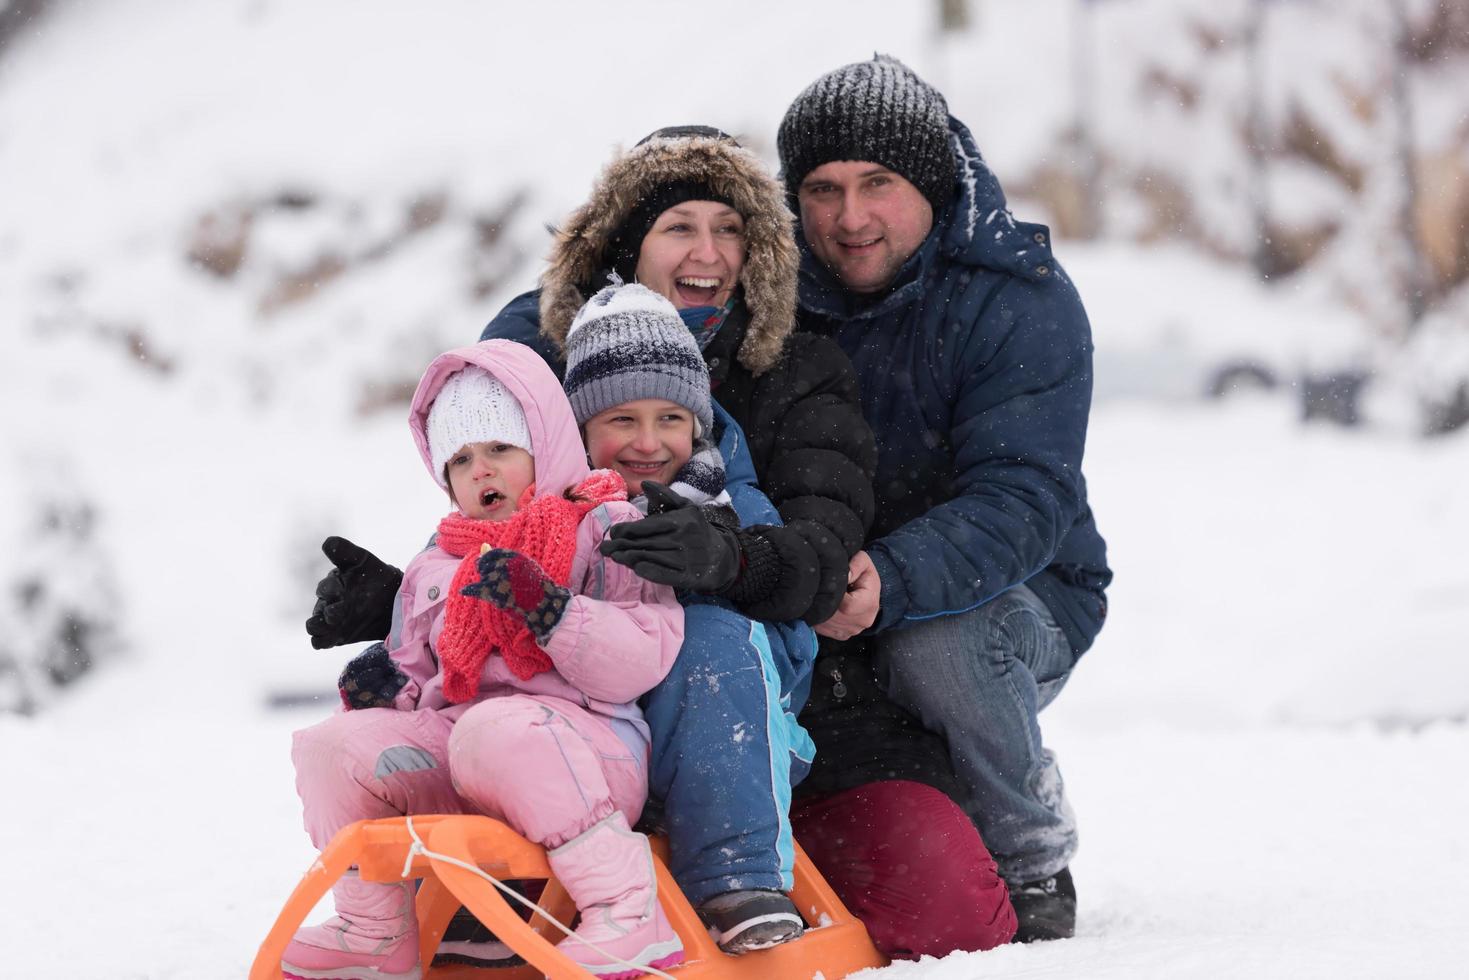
[(515, 583), (370, 680)]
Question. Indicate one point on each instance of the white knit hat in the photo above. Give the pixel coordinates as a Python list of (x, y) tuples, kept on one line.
[(472, 407)]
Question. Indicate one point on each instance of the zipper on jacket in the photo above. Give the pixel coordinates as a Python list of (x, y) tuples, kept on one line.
[(838, 688)]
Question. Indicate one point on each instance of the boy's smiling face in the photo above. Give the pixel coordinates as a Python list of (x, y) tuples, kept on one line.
[(487, 479), (647, 439)]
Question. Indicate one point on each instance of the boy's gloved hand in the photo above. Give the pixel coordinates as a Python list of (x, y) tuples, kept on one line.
[(676, 544), (354, 602), (370, 680), (517, 584)]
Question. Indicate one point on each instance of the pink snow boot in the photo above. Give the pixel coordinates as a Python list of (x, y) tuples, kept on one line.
[(373, 936), (608, 872)]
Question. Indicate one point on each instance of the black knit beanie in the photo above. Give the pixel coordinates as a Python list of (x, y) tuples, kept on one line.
[(625, 244), (874, 110)]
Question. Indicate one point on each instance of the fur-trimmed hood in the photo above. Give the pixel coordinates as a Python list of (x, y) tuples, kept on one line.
[(578, 254)]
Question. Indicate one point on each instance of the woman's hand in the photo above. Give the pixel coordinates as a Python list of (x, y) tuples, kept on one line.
[(354, 601)]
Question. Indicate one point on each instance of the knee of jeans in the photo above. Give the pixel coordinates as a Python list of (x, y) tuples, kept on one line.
[(1018, 631)]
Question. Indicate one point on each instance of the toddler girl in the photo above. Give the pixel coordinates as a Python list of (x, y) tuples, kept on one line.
[(508, 683)]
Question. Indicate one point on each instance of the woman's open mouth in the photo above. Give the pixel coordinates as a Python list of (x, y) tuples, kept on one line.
[(697, 290)]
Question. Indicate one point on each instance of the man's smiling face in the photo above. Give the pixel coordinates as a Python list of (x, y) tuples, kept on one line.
[(863, 221)]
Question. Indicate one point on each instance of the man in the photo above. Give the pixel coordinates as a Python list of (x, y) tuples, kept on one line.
[(984, 578)]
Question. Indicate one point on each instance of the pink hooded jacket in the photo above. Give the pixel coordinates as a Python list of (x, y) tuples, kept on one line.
[(619, 634)]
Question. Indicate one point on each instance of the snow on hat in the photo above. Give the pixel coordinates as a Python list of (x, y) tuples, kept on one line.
[(628, 342), (878, 111), (472, 407)]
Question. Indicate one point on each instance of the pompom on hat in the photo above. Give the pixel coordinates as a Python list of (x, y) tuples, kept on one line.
[(627, 343), (472, 407)]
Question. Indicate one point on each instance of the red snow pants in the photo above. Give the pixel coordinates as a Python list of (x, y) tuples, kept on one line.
[(908, 862)]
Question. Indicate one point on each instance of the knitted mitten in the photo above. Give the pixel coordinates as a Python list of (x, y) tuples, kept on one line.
[(518, 585), (370, 680)]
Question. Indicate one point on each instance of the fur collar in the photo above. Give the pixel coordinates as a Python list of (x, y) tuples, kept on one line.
[(769, 275)]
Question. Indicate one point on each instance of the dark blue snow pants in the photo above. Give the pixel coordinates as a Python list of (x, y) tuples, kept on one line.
[(727, 748)]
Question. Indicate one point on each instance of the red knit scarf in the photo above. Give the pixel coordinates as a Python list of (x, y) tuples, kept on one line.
[(543, 529)]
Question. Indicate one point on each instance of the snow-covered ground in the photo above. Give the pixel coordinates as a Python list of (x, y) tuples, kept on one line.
[(1261, 747)]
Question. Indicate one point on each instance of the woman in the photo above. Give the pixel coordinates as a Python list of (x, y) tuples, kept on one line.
[(695, 216)]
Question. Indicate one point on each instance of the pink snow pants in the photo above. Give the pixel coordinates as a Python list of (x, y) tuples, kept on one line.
[(546, 767)]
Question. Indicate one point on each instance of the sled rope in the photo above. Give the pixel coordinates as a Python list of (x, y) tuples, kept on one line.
[(417, 848)]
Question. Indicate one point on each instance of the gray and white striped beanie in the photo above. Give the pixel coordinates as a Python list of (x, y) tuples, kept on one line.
[(628, 342), (878, 111)]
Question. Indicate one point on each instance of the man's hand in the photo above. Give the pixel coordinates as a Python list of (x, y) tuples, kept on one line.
[(859, 607), (354, 602), (676, 544)]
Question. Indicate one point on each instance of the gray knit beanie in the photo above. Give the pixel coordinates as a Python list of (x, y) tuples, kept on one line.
[(874, 110), (629, 342)]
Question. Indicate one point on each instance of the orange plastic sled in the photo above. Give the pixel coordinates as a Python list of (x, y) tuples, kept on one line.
[(835, 943)]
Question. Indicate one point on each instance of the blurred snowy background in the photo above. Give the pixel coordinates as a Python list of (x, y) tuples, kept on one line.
[(233, 233)]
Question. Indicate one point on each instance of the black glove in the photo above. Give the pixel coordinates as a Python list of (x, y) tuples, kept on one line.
[(676, 544), (354, 602), (370, 680)]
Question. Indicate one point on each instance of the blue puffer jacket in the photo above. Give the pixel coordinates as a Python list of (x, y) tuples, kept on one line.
[(976, 375)]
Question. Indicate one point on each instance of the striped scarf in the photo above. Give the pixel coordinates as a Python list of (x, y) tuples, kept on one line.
[(701, 479)]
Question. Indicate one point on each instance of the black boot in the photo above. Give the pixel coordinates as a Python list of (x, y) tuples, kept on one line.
[(1045, 909), (470, 942), (755, 918)]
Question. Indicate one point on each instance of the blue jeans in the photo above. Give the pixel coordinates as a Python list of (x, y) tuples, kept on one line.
[(979, 678)]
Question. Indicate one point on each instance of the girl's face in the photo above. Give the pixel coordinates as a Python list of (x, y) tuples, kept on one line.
[(487, 479), (693, 254), (647, 439)]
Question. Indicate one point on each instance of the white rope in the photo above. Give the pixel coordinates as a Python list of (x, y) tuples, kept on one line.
[(418, 848)]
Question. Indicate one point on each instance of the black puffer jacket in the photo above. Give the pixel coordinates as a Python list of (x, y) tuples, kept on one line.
[(861, 736), (795, 396), (812, 450)]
